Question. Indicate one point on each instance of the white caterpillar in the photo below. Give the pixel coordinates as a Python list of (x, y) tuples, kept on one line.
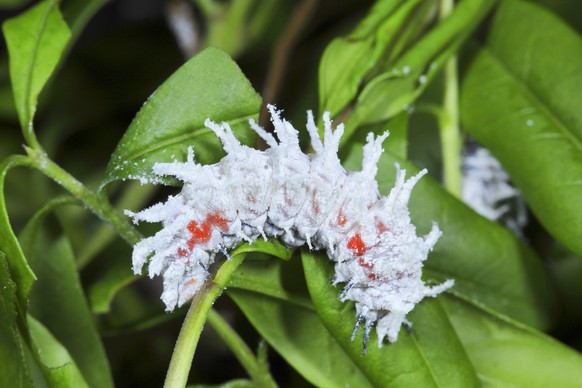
[(299, 198)]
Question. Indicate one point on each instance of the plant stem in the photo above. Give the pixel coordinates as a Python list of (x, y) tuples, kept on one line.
[(134, 196), (240, 350), (181, 361), (451, 144), (30, 136), (98, 204)]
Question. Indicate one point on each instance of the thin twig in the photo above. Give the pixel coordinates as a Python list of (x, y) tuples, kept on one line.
[(280, 58)]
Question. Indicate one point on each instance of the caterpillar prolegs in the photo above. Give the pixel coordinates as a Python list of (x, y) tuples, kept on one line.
[(301, 199)]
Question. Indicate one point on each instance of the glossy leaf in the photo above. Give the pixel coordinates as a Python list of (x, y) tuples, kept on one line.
[(58, 367), (380, 36), (57, 300), (271, 247), (35, 39), (273, 296), (489, 265), (298, 335), (506, 353), (20, 271), (397, 143), (118, 274), (403, 81), (268, 277), (520, 100), (210, 85), (11, 344), (430, 356)]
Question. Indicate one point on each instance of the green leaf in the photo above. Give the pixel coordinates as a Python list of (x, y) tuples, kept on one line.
[(20, 271), (297, 333), (397, 143), (287, 321), (210, 85), (271, 247), (430, 356), (268, 277), (35, 39), (340, 72), (57, 300), (506, 353), (380, 36), (11, 344), (118, 274), (521, 99), (59, 368), (273, 296), (402, 82), (489, 265)]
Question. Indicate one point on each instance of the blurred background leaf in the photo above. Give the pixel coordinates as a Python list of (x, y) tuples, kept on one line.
[(11, 341), (506, 353), (520, 99), (58, 301), (56, 363), (35, 39)]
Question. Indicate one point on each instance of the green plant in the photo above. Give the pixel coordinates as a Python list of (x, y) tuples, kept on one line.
[(506, 72)]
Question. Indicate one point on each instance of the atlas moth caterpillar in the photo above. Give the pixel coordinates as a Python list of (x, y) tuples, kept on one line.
[(301, 199)]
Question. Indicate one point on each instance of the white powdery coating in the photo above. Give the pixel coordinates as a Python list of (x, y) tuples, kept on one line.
[(486, 189), (302, 199)]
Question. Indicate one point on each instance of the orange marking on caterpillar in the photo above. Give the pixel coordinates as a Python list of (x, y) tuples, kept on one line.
[(356, 245), (201, 232), (215, 219)]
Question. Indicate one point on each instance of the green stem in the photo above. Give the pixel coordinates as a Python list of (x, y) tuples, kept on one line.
[(134, 196), (240, 350), (30, 137), (98, 204), (451, 143), (181, 361)]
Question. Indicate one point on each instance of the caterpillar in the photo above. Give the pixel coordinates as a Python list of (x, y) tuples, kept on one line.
[(301, 199)]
